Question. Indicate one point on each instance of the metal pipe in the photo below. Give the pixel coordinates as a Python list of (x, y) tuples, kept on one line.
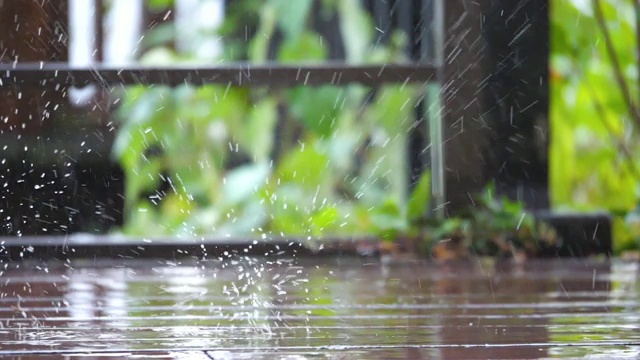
[(432, 49)]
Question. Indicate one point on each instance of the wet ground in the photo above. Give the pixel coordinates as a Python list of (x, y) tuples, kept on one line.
[(255, 308)]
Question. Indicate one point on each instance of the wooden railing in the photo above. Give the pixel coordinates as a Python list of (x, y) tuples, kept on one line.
[(479, 81), (22, 76), (272, 75)]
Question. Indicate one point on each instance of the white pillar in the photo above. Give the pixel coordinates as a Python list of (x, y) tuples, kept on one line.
[(123, 32), (82, 45), (196, 23)]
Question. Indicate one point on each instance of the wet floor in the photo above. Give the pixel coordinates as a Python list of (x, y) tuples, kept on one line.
[(321, 309)]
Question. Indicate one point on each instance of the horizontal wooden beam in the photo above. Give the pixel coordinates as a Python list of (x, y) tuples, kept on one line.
[(87, 246), (241, 74)]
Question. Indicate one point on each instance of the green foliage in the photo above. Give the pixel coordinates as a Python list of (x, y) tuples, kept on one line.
[(307, 47), (421, 195), (357, 31), (318, 108), (292, 16), (503, 226), (158, 5), (495, 226), (305, 161), (591, 128), (317, 161)]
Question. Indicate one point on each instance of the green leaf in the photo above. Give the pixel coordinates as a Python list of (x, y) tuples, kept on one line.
[(158, 5), (288, 213), (419, 198), (394, 108), (317, 108), (257, 135), (304, 166), (388, 220), (175, 210), (142, 127), (259, 45), (245, 220), (244, 181), (292, 16), (357, 30), (324, 220), (206, 104), (450, 226), (344, 141), (308, 46), (143, 221)]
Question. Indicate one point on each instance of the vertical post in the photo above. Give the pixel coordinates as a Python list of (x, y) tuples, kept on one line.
[(99, 26), (195, 18), (431, 52), (517, 98), (405, 22), (495, 96), (124, 30), (30, 31), (637, 8), (382, 17), (30, 118), (84, 48)]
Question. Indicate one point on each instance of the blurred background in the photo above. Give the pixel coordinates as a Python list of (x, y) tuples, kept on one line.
[(533, 100)]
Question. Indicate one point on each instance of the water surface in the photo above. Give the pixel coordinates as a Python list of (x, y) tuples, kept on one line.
[(319, 309)]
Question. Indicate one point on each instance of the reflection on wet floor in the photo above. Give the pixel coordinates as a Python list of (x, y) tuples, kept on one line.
[(318, 309)]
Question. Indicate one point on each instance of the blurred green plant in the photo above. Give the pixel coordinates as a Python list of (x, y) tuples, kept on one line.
[(322, 161), (494, 226), (305, 161), (594, 120)]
